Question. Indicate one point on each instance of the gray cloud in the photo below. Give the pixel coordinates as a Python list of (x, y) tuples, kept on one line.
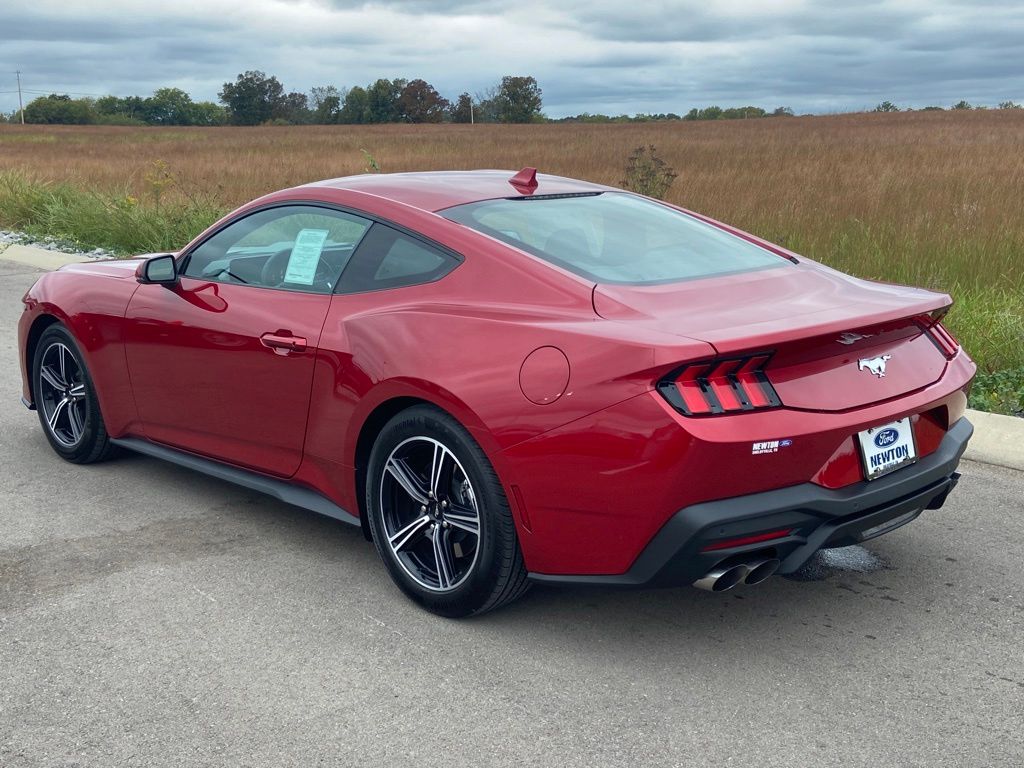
[(589, 55)]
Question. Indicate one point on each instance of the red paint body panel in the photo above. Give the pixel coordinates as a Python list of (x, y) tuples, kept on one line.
[(598, 469), (202, 379), (90, 300), (623, 472), (765, 308)]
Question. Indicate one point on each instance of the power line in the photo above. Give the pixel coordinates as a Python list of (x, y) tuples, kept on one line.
[(58, 90)]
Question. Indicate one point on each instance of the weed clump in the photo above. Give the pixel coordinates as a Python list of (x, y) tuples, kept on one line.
[(647, 174)]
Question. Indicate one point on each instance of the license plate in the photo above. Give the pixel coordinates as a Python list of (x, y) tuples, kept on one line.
[(886, 448)]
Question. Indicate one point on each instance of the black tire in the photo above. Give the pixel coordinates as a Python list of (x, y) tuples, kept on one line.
[(85, 441), (496, 574)]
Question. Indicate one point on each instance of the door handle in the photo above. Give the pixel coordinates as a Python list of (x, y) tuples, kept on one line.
[(284, 343)]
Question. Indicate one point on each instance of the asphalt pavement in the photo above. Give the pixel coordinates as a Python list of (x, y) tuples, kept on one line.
[(150, 616)]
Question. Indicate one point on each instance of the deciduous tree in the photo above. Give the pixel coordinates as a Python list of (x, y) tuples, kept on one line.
[(253, 98), (294, 108), (168, 106), (325, 102), (354, 110), (421, 103), (462, 109), (383, 103), (59, 108), (519, 99)]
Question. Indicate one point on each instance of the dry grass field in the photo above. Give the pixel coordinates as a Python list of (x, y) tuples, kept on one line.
[(928, 198)]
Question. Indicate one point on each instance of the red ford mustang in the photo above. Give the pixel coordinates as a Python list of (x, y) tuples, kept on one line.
[(513, 378)]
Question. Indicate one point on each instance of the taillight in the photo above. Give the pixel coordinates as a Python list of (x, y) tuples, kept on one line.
[(720, 386), (938, 334)]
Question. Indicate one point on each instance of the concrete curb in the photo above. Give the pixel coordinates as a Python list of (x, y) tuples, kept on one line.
[(997, 440), (40, 258)]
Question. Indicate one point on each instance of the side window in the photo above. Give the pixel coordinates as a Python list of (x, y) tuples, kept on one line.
[(292, 247), (387, 258)]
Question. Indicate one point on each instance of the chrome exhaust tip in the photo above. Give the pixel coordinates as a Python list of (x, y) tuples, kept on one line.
[(760, 570), (721, 579)]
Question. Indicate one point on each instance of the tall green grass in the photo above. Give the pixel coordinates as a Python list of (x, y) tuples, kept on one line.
[(113, 220)]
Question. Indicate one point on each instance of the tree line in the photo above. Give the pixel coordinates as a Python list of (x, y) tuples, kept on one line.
[(708, 113), (742, 113), (888, 106), (255, 98)]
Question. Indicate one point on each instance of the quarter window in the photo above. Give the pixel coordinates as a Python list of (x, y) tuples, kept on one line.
[(294, 247), (387, 258)]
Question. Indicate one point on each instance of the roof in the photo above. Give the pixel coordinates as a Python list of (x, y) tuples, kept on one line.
[(437, 190)]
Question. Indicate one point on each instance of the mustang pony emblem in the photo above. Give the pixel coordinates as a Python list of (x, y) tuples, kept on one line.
[(874, 364)]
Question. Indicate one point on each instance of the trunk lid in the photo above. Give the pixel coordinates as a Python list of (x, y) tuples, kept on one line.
[(818, 323)]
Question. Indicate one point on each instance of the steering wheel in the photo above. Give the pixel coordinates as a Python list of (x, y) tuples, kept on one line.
[(276, 267)]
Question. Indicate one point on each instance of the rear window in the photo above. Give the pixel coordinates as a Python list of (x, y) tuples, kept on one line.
[(615, 237)]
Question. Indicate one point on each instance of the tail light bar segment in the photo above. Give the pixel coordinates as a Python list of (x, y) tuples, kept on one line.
[(712, 387)]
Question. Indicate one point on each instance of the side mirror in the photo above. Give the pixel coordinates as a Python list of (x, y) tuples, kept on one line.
[(161, 269)]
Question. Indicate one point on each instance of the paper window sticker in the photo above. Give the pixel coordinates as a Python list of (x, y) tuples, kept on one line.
[(305, 256)]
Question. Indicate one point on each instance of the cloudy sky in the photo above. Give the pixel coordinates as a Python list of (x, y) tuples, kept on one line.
[(609, 56)]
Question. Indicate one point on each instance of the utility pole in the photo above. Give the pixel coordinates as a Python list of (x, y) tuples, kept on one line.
[(21, 108), (472, 119)]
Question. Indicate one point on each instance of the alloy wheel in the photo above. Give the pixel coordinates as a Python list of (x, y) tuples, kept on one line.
[(430, 514), (62, 394)]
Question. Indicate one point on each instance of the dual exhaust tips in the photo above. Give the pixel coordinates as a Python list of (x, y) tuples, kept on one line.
[(722, 578)]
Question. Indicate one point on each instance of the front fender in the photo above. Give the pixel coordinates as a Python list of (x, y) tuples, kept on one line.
[(92, 308)]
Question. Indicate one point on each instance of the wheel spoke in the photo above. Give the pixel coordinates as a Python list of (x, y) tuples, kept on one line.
[(57, 408), (437, 467), (60, 362), (75, 421), (409, 533), (463, 517), (443, 557), (52, 378), (406, 478), (77, 392)]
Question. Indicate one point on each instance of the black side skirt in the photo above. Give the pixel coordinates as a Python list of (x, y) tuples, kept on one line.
[(279, 489)]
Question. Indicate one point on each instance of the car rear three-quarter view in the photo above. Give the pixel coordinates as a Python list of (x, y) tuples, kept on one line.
[(505, 379)]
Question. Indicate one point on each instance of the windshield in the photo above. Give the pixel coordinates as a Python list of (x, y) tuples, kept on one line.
[(615, 237)]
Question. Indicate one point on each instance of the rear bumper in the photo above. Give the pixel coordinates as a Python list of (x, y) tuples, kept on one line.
[(819, 518)]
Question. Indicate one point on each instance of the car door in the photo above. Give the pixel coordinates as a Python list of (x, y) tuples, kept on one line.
[(221, 363)]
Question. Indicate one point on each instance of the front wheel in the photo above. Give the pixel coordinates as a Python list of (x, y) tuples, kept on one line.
[(65, 396), (439, 517)]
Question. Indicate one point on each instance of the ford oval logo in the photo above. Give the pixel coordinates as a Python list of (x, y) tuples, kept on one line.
[(886, 437)]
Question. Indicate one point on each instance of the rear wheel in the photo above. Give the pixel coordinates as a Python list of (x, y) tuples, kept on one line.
[(66, 399), (439, 517)]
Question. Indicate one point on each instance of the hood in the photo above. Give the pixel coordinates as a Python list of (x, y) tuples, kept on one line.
[(122, 268)]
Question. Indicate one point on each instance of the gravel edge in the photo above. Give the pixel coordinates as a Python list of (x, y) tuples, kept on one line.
[(56, 244)]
